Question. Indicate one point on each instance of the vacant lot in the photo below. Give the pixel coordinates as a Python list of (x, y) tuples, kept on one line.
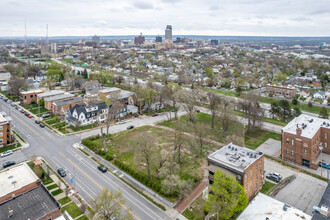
[(124, 149)]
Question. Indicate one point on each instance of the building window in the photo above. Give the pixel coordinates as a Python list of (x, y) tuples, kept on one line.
[(256, 186), (1, 134), (1, 140), (287, 151), (257, 167), (326, 135), (251, 173), (256, 176), (246, 176), (325, 145), (246, 188), (305, 151), (292, 142), (260, 163), (1, 128), (287, 140), (260, 171), (292, 152)]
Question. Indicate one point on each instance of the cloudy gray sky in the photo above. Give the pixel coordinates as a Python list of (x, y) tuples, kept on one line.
[(198, 17)]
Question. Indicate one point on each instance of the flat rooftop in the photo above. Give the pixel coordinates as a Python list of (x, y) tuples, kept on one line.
[(112, 89), (325, 201), (263, 206), (309, 125), (233, 156), (32, 204), (32, 91), (16, 177), (57, 97), (64, 102), (51, 93)]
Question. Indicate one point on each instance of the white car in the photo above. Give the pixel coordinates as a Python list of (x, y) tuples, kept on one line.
[(122, 122), (7, 153)]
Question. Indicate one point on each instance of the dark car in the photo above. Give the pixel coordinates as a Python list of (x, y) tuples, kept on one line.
[(130, 127), (41, 125), (102, 168), (37, 121), (61, 172), (273, 177), (16, 107), (8, 164), (325, 165), (5, 99), (154, 115), (27, 114), (45, 115)]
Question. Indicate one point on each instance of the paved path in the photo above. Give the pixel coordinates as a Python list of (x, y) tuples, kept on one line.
[(193, 195)]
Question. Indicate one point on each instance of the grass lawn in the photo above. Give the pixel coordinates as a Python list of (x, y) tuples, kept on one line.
[(64, 200), (3, 149), (125, 146), (52, 186), (56, 192), (257, 137), (72, 209), (38, 171), (42, 110), (52, 121), (266, 187), (82, 128), (223, 92), (47, 181), (195, 211), (84, 217)]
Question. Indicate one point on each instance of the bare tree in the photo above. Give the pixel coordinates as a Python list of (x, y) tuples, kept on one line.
[(214, 102), (201, 131), (171, 94), (253, 112), (145, 150), (189, 99), (225, 114), (178, 140)]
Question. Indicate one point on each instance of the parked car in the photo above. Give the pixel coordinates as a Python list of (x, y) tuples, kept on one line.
[(278, 175), (19, 109), (102, 168), (13, 104), (41, 125), (9, 101), (5, 99), (61, 172), (154, 115), (27, 114), (130, 127), (325, 165), (8, 164), (273, 177), (122, 122), (30, 116), (22, 111), (37, 121), (7, 153), (45, 115)]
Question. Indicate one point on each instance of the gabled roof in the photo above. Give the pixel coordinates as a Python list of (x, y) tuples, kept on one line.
[(86, 110)]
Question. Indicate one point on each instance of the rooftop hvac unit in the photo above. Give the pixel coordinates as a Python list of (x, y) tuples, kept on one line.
[(229, 146), (248, 153), (327, 124), (311, 120), (255, 156), (285, 207), (324, 210), (236, 149), (324, 123)]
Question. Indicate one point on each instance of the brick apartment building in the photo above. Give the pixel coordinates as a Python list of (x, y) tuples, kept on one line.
[(245, 165), (61, 107), (50, 100), (5, 130), (302, 138), (287, 92), (30, 96), (108, 91), (22, 196)]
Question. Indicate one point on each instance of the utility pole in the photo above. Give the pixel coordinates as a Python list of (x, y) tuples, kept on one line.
[(321, 148)]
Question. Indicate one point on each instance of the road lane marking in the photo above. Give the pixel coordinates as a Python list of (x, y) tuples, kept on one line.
[(30, 127), (115, 182), (98, 185)]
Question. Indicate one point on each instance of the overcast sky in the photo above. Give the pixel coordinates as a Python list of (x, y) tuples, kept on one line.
[(187, 17)]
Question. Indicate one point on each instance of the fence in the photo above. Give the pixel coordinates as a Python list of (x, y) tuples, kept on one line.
[(165, 201)]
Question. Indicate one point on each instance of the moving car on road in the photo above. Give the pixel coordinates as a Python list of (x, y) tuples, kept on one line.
[(37, 121), (8, 163), (7, 153), (102, 168), (130, 127), (61, 172), (41, 125)]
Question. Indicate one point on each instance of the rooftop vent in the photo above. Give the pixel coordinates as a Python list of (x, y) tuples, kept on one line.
[(324, 123), (311, 120), (9, 177), (236, 149), (229, 146), (285, 207), (248, 153), (327, 124), (255, 156)]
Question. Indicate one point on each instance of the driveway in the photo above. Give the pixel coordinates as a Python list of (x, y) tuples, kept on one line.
[(303, 192), (271, 147)]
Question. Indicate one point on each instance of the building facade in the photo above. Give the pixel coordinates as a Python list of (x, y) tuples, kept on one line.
[(303, 138), (61, 107), (44, 95), (168, 32), (287, 92), (50, 100), (139, 40), (245, 165), (30, 96), (5, 130)]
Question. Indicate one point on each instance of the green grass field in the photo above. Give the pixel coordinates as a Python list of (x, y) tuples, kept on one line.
[(72, 209), (266, 187)]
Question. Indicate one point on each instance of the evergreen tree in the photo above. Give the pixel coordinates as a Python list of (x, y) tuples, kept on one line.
[(323, 113), (85, 74)]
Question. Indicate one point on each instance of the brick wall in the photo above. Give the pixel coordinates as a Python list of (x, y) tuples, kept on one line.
[(19, 191), (253, 178), (52, 215), (5, 134)]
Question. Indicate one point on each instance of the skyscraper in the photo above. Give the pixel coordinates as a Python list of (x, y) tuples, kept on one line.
[(168, 32), (159, 39), (96, 39)]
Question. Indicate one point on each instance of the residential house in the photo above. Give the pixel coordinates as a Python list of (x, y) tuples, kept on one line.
[(302, 138), (5, 129), (4, 76), (49, 101), (108, 91), (44, 95), (31, 95), (245, 165), (40, 77), (319, 95), (92, 85), (22, 196), (85, 115), (61, 107), (305, 94), (317, 85)]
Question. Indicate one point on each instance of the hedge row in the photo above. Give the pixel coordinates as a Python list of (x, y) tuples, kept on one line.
[(154, 185)]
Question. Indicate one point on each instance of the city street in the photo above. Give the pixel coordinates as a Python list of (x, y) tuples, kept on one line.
[(87, 179)]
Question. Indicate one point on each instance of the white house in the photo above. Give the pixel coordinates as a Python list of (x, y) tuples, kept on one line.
[(319, 95)]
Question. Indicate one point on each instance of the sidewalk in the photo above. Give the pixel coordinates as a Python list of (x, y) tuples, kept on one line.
[(193, 195)]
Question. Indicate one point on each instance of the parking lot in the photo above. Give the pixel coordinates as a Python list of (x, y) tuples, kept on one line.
[(303, 192)]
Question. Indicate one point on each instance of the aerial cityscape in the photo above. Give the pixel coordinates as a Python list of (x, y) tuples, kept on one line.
[(168, 109)]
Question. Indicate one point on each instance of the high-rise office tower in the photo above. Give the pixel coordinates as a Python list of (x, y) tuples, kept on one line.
[(159, 39), (96, 39), (168, 32), (53, 47)]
